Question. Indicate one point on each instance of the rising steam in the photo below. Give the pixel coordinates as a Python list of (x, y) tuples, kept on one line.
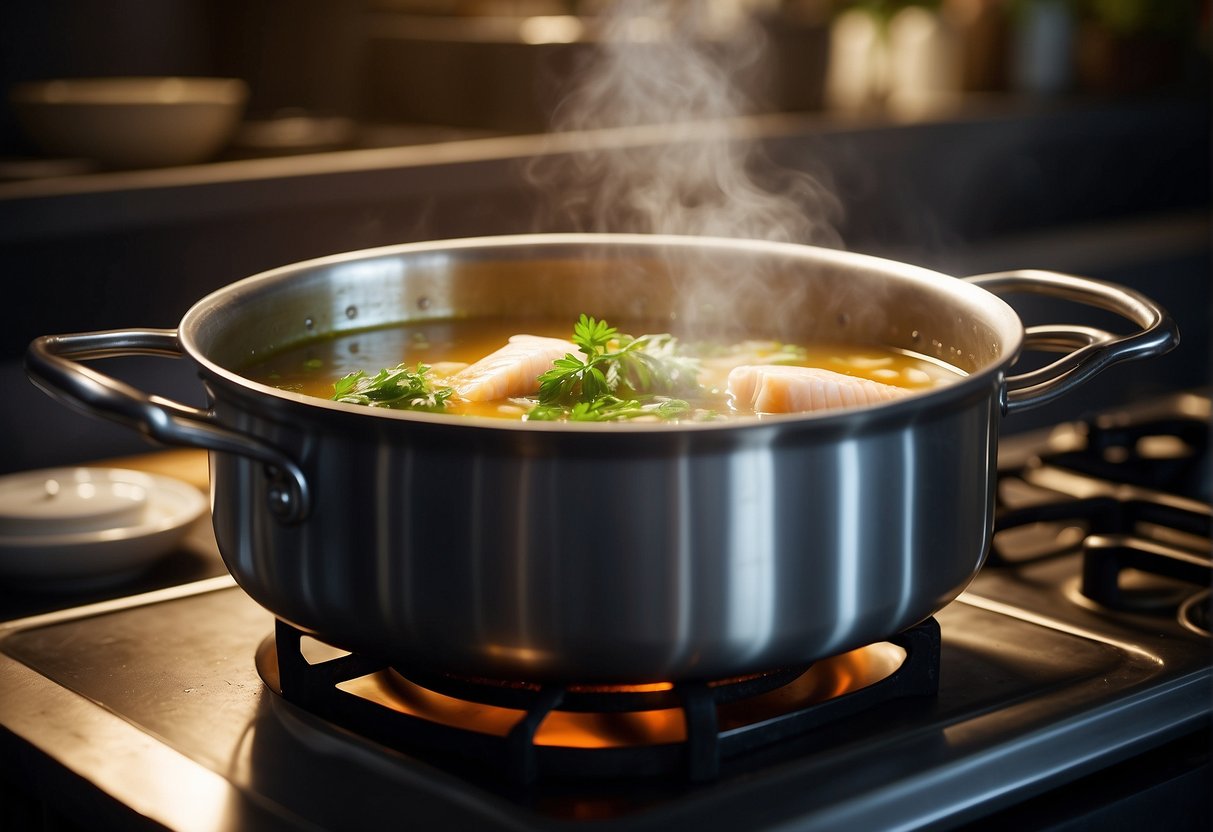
[(676, 64), (669, 81)]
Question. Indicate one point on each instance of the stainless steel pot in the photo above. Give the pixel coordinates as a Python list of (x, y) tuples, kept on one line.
[(626, 552)]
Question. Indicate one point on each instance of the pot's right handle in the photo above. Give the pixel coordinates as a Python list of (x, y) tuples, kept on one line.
[(1093, 350), (53, 364)]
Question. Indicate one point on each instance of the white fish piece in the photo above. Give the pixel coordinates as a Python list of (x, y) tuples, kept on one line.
[(446, 369), (513, 370), (770, 388)]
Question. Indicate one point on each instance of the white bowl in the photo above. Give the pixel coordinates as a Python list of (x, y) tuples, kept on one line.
[(66, 500), (74, 559), (131, 122)]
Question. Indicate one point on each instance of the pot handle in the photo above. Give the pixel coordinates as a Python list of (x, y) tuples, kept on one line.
[(53, 364), (1088, 350)]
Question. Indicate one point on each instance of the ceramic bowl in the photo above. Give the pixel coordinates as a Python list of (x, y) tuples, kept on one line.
[(131, 122)]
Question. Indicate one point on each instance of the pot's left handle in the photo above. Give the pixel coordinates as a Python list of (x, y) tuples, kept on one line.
[(53, 364)]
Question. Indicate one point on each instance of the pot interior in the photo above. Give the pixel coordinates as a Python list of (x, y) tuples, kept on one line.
[(710, 289)]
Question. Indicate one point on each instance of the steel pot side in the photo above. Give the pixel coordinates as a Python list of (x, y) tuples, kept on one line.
[(624, 552)]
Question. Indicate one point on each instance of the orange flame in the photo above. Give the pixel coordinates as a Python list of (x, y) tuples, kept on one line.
[(568, 729)]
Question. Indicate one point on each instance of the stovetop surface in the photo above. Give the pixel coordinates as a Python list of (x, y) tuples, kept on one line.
[(155, 700), (1022, 696)]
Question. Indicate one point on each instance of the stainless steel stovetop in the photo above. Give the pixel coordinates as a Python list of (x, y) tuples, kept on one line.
[(149, 710)]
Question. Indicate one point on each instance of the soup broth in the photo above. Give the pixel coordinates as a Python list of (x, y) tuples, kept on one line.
[(312, 368)]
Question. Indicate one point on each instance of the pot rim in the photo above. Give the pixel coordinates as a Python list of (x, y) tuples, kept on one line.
[(1005, 319)]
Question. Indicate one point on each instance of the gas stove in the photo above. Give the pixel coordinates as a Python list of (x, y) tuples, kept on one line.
[(1070, 683)]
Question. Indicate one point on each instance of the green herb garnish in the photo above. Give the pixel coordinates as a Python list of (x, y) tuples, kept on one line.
[(610, 409), (786, 354), (400, 388), (620, 377)]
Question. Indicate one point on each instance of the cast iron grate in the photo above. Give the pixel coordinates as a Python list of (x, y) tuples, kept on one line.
[(1168, 454), (517, 758), (1135, 491)]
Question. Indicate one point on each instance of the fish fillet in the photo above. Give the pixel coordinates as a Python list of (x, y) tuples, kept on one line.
[(787, 389), (513, 370)]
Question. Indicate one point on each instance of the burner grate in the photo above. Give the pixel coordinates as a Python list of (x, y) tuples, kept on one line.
[(597, 698), (1107, 557), (721, 720), (1168, 454), (1130, 494)]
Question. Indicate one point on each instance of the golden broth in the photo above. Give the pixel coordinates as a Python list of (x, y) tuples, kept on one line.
[(313, 367)]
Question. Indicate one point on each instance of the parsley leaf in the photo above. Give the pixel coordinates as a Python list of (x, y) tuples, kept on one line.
[(610, 409), (620, 377), (591, 335), (400, 388)]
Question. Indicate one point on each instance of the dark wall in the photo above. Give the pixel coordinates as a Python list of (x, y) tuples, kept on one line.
[(92, 38), (294, 54)]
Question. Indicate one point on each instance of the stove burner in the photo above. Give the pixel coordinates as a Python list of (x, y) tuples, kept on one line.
[(1106, 558), (1169, 453), (528, 731), (1122, 528), (596, 698), (1127, 490)]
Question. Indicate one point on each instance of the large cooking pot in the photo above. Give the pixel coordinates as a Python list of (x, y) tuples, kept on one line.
[(605, 552)]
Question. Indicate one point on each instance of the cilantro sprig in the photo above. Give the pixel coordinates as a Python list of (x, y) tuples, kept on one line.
[(400, 388)]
